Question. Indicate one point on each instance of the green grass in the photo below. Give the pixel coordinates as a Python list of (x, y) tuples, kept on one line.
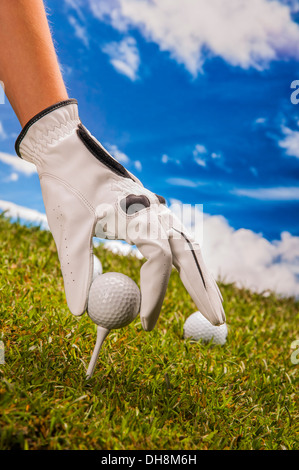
[(149, 390)]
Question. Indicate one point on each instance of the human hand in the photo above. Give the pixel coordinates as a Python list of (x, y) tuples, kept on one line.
[(88, 193)]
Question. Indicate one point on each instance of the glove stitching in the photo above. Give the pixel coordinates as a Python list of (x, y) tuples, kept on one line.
[(37, 118), (63, 130), (40, 145), (73, 190)]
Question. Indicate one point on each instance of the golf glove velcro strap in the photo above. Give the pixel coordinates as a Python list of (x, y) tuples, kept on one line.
[(88, 193)]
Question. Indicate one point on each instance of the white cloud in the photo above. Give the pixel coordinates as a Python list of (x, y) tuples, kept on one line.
[(182, 182), (290, 142), (122, 157), (118, 154), (200, 161), (292, 4), (18, 164), (138, 165), (199, 153), (215, 155), (288, 193), (3, 134), (201, 156), (243, 33), (24, 213), (260, 120), (119, 247), (248, 259), (66, 70), (78, 6), (235, 256), (165, 159), (124, 56), (12, 177), (199, 149), (80, 31)]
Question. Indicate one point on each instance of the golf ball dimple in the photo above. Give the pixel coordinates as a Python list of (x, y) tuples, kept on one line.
[(198, 328), (97, 267), (113, 301)]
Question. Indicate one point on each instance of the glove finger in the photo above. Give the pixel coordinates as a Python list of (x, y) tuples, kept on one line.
[(188, 260), (152, 242), (73, 238), (217, 288)]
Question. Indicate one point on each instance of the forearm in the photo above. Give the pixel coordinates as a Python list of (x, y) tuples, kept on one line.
[(28, 63)]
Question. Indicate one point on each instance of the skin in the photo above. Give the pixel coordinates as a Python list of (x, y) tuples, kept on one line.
[(29, 67)]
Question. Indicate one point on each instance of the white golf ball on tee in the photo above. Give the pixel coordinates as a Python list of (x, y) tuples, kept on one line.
[(198, 328), (114, 300)]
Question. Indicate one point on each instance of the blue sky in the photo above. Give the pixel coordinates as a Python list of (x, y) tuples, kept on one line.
[(194, 97), (214, 138)]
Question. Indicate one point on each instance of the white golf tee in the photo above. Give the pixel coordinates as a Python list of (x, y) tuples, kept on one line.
[(101, 335)]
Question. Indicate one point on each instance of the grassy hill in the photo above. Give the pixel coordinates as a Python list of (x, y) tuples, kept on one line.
[(149, 390)]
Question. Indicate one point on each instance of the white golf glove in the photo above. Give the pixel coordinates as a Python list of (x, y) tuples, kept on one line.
[(88, 193)]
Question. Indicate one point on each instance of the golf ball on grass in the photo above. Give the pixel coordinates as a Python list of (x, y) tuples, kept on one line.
[(114, 300), (198, 328)]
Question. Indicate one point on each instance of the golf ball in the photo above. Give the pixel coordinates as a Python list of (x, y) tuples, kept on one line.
[(114, 300), (97, 267), (198, 328)]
